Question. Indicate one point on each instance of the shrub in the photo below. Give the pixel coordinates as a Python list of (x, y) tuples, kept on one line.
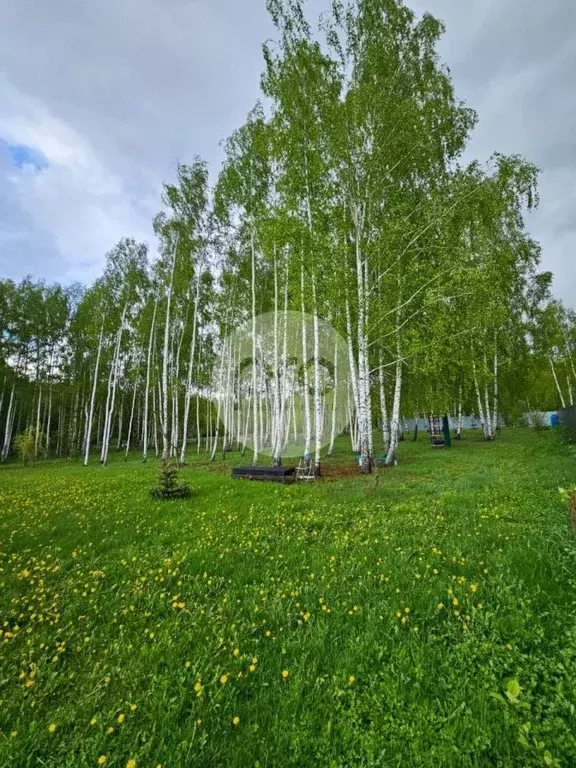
[(538, 420), (168, 486), (24, 444)]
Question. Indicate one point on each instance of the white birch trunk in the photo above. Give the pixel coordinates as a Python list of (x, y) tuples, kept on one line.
[(131, 418), (391, 456), (37, 432), (255, 430), (147, 388), (383, 406), (306, 393), (495, 401), (560, 395), (92, 399), (8, 426), (165, 436), (318, 411), (479, 399), (190, 369)]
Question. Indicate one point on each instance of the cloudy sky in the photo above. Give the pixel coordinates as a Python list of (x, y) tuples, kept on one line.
[(100, 98)]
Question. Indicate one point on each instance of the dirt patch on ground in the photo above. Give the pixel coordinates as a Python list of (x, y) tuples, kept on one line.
[(330, 472), (339, 471)]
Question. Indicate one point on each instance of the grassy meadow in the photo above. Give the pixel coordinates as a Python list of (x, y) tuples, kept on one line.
[(422, 617)]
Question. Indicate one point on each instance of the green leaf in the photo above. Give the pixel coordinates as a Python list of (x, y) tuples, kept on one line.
[(513, 689)]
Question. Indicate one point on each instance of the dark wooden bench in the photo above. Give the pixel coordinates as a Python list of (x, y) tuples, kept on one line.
[(272, 474)]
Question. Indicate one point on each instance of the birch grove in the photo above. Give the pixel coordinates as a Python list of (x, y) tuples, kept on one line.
[(341, 203)]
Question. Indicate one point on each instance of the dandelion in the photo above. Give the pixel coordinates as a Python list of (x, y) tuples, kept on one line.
[(236, 652), (455, 601), (121, 718), (110, 729), (236, 720), (102, 760), (132, 707), (285, 673), (223, 679), (93, 721), (13, 734), (131, 764), (473, 587), (351, 680), (252, 667), (52, 727), (254, 660)]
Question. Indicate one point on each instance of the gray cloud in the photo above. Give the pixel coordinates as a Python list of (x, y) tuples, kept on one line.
[(112, 94)]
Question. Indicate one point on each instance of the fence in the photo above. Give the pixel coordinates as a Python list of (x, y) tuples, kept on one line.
[(567, 416)]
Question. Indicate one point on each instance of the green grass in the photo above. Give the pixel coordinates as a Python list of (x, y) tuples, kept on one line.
[(109, 599)]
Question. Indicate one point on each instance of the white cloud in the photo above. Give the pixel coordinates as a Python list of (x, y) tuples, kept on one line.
[(76, 198), (114, 93)]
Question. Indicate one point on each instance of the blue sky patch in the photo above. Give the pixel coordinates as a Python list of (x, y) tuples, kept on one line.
[(21, 155)]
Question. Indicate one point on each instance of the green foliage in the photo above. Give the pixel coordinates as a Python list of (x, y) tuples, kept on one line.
[(168, 486), (107, 603), (24, 444)]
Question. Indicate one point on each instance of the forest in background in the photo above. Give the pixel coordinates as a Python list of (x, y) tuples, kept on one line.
[(342, 197)]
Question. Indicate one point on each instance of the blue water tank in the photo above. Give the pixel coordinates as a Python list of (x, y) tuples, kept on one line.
[(554, 420)]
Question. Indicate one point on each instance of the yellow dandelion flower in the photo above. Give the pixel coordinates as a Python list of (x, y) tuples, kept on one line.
[(102, 760), (131, 763), (110, 729), (52, 727), (121, 718), (29, 683), (223, 679), (351, 680), (252, 667), (13, 734), (236, 720), (473, 587), (93, 721), (132, 707), (398, 614), (236, 652), (455, 601), (285, 673)]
